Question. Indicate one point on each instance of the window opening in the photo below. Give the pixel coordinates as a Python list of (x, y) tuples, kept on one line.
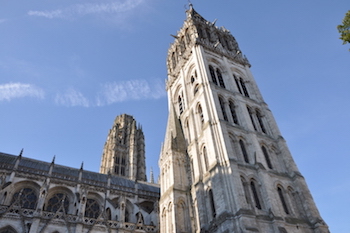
[(267, 157), (245, 91), (55, 202), (221, 80), (212, 74), (237, 84), (222, 105), (212, 204), (251, 118), (260, 120), (255, 195), (284, 204), (26, 197), (233, 112), (92, 209), (244, 151)]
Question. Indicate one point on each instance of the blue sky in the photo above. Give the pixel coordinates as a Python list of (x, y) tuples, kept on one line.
[(68, 68)]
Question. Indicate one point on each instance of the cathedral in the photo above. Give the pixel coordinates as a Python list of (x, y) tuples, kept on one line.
[(224, 166)]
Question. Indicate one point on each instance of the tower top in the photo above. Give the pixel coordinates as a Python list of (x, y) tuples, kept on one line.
[(197, 31)]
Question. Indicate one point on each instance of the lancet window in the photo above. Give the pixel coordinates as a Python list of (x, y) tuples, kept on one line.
[(200, 113), (233, 112), (283, 200), (205, 157), (223, 110), (255, 195), (212, 204), (267, 157), (244, 151)]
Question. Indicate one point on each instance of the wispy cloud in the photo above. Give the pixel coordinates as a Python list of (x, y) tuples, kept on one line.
[(129, 90), (71, 98), (3, 20), (11, 91), (79, 10)]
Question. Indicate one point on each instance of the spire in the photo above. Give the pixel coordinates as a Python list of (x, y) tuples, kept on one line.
[(20, 153)]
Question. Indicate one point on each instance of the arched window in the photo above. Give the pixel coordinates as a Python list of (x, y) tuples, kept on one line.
[(283, 201), (200, 32), (245, 91), (245, 189), (222, 105), (267, 157), (212, 204), (26, 198), (200, 113), (255, 195), (57, 201), (237, 84), (205, 155), (233, 112), (108, 214), (221, 80), (92, 208), (260, 120), (244, 151), (251, 117), (213, 76), (180, 104)]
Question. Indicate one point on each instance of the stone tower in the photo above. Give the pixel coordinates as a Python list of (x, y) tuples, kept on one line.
[(124, 150), (224, 166)]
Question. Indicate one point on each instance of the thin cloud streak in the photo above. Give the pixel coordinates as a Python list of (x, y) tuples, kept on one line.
[(71, 98), (11, 91), (129, 90), (79, 10)]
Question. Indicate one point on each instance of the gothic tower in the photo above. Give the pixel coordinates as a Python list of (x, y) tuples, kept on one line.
[(224, 166), (124, 150)]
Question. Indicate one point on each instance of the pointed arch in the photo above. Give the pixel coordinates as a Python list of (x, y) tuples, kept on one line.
[(200, 114), (219, 76), (260, 120), (244, 151), (251, 116), (212, 75), (256, 194), (223, 108), (280, 192), (244, 88), (267, 156), (233, 112)]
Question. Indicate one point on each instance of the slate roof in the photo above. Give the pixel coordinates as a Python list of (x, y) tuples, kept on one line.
[(8, 162)]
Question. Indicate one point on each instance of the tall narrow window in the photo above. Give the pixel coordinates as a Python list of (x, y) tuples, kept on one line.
[(251, 117), (255, 195), (267, 157), (212, 204), (205, 155), (244, 151), (195, 89), (237, 84), (260, 120), (200, 113), (283, 201), (245, 91), (188, 37), (221, 80), (223, 110), (245, 189), (233, 112), (180, 104), (213, 76)]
